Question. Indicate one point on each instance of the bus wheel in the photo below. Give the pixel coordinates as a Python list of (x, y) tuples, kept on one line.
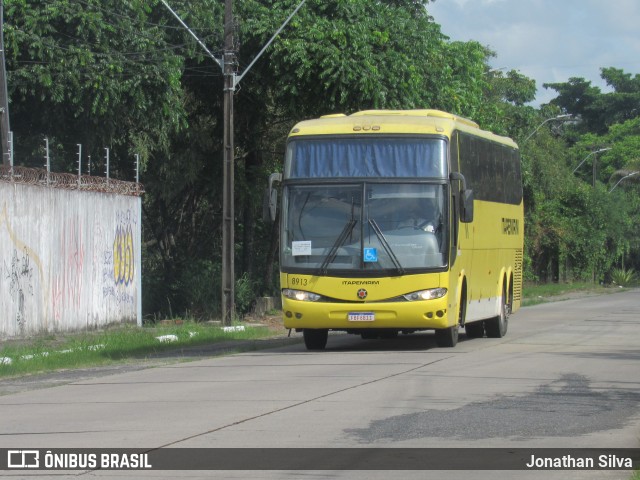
[(497, 326), (447, 337), (315, 339)]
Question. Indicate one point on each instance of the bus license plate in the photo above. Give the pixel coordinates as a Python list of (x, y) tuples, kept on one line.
[(362, 317)]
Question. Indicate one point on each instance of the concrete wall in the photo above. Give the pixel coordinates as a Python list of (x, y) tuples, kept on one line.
[(69, 259)]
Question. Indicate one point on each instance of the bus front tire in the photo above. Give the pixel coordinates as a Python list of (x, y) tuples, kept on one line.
[(447, 337), (315, 339)]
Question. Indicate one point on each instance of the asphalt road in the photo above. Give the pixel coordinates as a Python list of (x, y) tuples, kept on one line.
[(567, 375)]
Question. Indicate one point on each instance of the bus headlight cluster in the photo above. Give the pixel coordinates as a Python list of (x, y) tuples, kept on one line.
[(430, 294), (301, 295)]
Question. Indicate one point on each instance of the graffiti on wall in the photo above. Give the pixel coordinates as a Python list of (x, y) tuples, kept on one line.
[(123, 266), (20, 277), (118, 266), (66, 291)]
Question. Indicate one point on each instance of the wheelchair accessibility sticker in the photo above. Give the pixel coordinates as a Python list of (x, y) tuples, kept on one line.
[(370, 254)]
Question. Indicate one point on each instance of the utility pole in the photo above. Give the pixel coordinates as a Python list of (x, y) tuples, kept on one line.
[(228, 213), (4, 95), (228, 64)]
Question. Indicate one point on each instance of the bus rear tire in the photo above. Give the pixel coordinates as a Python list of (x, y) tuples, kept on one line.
[(447, 337), (315, 339), (497, 326)]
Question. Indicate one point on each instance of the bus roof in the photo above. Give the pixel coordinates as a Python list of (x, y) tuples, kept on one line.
[(433, 122)]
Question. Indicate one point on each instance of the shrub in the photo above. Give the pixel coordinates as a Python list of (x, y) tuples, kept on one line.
[(623, 277)]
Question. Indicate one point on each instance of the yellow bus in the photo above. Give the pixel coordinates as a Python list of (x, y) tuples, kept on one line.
[(397, 222)]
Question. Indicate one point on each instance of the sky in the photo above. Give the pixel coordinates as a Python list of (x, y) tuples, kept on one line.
[(549, 41)]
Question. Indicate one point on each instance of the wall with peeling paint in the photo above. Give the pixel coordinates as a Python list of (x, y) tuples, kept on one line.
[(69, 259)]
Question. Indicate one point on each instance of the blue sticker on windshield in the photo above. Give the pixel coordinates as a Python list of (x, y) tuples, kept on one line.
[(370, 254)]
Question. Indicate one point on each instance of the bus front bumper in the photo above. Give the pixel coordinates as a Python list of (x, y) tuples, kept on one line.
[(418, 315)]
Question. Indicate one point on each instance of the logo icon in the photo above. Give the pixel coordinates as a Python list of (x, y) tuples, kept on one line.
[(370, 254), (23, 458), (362, 294)]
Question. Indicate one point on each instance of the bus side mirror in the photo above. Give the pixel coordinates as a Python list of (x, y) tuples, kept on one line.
[(466, 206), (270, 204), (466, 198)]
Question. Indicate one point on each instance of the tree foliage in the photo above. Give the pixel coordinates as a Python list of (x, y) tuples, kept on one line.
[(599, 111), (96, 72), (596, 228)]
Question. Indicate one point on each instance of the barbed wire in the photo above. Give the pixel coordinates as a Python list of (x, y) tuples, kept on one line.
[(68, 181)]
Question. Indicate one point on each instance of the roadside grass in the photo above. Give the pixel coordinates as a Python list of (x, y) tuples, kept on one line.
[(113, 345), (534, 294)]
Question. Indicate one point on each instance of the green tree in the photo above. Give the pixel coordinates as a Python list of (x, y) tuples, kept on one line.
[(503, 109), (597, 110), (621, 159), (601, 230), (545, 178), (98, 73)]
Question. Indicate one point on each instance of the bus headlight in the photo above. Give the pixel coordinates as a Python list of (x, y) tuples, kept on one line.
[(301, 295), (430, 294)]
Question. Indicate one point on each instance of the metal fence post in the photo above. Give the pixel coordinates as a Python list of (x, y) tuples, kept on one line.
[(79, 165)]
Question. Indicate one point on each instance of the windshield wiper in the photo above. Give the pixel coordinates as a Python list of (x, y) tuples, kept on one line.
[(346, 231), (386, 246)]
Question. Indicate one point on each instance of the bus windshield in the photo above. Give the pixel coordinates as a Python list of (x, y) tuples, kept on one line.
[(370, 157), (364, 227)]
